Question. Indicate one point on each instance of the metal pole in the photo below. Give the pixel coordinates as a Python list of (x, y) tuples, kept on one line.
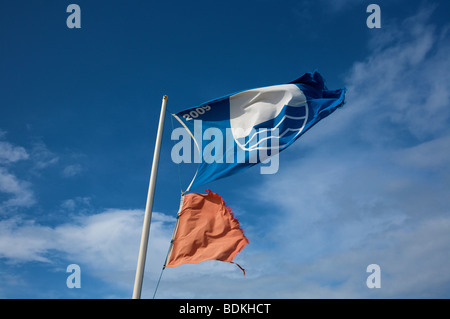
[(149, 205)]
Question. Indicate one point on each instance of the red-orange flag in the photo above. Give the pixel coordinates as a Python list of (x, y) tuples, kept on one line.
[(206, 230)]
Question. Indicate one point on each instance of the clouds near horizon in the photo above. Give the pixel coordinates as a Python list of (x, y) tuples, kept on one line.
[(371, 183)]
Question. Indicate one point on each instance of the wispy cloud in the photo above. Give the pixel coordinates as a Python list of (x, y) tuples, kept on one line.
[(398, 95), (78, 204), (405, 83), (371, 183), (72, 170), (24, 240), (107, 243), (17, 193), (42, 156), (10, 153)]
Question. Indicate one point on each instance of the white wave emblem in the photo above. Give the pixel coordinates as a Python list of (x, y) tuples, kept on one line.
[(254, 107)]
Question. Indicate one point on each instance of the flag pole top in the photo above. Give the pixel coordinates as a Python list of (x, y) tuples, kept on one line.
[(165, 97)]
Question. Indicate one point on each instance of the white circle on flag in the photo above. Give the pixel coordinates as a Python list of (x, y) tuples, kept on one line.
[(256, 106)]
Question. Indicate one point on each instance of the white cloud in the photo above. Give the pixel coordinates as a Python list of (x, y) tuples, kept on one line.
[(87, 238), (109, 243), (19, 193), (399, 93), (405, 85), (72, 170), (10, 153), (42, 156), (332, 220), (79, 204), (16, 193), (106, 246), (24, 240), (369, 184), (106, 243), (432, 155)]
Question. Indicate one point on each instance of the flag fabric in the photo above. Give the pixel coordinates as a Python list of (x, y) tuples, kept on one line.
[(248, 127), (206, 230)]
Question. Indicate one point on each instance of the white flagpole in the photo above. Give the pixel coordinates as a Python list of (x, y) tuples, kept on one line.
[(149, 206)]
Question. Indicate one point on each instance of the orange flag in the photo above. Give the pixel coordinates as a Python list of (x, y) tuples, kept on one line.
[(206, 230)]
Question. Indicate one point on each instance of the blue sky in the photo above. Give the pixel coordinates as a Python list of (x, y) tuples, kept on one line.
[(79, 110)]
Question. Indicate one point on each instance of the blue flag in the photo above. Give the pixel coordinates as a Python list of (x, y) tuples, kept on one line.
[(242, 129)]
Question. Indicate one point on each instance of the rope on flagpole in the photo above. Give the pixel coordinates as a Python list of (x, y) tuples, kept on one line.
[(173, 235), (159, 280), (169, 251)]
